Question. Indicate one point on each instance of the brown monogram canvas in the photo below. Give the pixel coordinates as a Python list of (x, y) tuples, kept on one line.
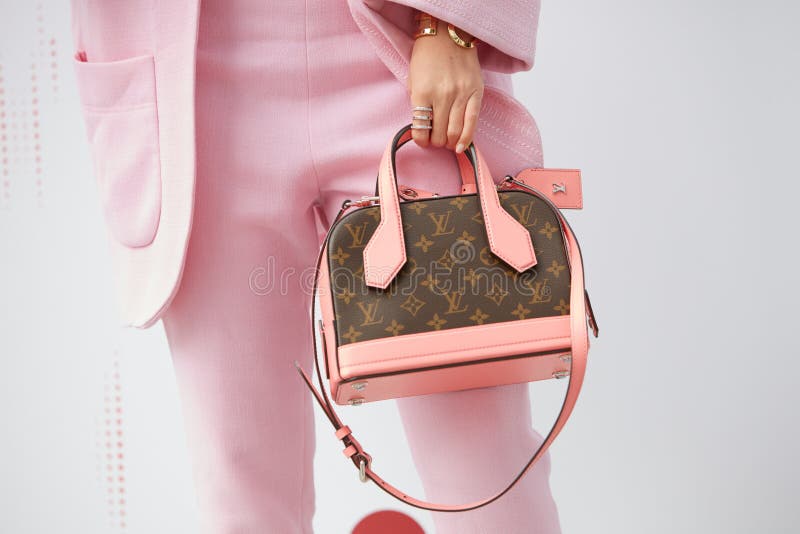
[(451, 278)]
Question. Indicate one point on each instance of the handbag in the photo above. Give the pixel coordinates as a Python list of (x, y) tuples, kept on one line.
[(445, 293)]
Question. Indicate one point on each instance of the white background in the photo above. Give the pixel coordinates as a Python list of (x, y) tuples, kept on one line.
[(683, 117)]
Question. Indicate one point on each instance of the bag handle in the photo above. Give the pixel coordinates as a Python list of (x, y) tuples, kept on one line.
[(466, 166), (385, 253), (580, 311)]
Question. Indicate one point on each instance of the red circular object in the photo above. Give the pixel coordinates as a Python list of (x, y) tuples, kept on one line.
[(387, 522)]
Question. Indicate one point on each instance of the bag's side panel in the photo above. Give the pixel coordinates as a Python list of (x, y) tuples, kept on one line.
[(327, 332)]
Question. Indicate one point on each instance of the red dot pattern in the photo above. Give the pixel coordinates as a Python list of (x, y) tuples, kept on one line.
[(110, 450), (51, 56), (5, 168), (35, 108), (26, 92), (37, 146)]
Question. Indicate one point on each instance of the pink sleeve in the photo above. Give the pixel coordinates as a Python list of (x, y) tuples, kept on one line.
[(507, 30)]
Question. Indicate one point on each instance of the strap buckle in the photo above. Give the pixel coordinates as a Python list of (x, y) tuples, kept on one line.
[(362, 470), (353, 448)]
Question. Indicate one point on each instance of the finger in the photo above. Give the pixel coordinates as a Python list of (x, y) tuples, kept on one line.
[(421, 136), (456, 125), (471, 112), (441, 118)]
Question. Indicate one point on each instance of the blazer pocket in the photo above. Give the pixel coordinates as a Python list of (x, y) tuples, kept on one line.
[(118, 100)]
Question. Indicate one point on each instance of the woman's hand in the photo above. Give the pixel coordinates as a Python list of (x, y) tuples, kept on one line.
[(448, 78)]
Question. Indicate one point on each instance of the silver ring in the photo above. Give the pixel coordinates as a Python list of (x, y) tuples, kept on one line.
[(423, 127), (422, 117), (421, 108)]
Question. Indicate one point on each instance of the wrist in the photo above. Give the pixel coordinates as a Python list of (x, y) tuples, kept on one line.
[(428, 26)]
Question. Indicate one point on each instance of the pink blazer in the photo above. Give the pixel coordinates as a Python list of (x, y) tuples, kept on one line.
[(135, 68)]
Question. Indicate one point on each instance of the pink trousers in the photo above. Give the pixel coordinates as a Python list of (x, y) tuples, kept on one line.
[(293, 111)]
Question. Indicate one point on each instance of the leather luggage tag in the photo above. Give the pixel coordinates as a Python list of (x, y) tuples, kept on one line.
[(561, 186)]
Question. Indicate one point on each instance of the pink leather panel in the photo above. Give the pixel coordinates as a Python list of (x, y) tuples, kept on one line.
[(508, 239), (385, 254), (326, 310), (444, 347), (485, 374), (561, 186)]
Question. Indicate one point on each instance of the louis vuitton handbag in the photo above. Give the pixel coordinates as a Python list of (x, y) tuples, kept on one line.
[(444, 293)]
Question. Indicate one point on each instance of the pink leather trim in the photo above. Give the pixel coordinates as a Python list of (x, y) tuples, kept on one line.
[(454, 378), (327, 314), (453, 345), (465, 170), (561, 186), (413, 193), (508, 239), (385, 252)]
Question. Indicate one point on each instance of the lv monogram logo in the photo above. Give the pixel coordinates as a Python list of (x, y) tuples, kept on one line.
[(541, 292), (442, 222), (454, 302), (370, 311), (357, 232), (524, 213), (444, 283)]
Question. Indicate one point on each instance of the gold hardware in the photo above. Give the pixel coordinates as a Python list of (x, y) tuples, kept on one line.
[(560, 374), (356, 401), (457, 38), (363, 201), (427, 24)]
